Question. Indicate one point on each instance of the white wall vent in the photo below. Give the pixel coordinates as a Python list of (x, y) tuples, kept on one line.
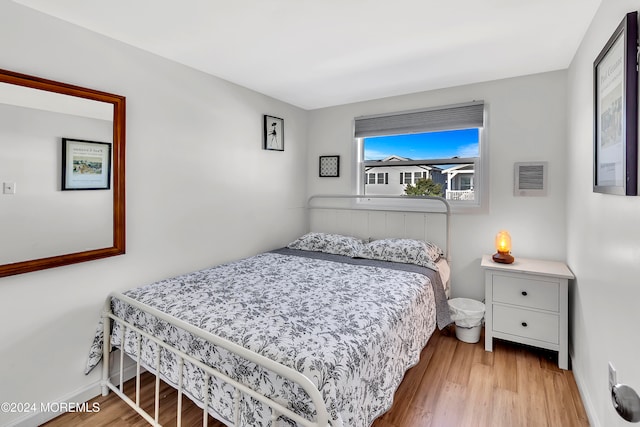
[(530, 179)]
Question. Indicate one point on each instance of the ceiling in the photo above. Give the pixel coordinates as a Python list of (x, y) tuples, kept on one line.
[(322, 53)]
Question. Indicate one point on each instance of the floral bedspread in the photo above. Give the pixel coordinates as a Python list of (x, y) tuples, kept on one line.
[(353, 330)]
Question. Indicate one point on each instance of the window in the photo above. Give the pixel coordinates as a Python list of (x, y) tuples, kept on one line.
[(405, 178), (377, 178), (466, 183), (442, 145)]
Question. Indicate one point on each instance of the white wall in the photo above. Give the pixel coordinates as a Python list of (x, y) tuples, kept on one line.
[(200, 191), (526, 122), (603, 243)]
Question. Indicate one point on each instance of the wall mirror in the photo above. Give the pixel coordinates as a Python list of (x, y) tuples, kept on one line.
[(42, 226)]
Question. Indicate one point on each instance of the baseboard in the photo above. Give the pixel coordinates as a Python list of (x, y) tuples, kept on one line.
[(80, 396), (585, 396)]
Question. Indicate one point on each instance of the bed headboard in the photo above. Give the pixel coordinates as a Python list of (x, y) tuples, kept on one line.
[(369, 217)]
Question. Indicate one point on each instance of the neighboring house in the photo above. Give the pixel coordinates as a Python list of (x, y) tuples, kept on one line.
[(386, 180), (459, 182), (456, 181)]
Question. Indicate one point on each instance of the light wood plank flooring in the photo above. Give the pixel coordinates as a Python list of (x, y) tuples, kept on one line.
[(455, 385)]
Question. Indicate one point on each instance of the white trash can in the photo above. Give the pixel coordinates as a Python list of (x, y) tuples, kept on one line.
[(467, 314)]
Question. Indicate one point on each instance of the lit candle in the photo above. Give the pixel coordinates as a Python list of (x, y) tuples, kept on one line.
[(503, 248), (503, 242)]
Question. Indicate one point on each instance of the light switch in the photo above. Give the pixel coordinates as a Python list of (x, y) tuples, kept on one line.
[(9, 188)]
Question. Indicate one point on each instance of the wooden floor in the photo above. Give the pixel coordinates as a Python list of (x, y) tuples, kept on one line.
[(455, 385)]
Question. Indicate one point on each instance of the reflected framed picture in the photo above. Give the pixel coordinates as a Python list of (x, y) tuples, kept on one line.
[(86, 165), (615, 81), (273, 133)]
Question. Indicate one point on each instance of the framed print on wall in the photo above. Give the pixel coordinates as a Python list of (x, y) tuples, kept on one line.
[(615, 84), (273, 133), (86, 165), (329, 166)]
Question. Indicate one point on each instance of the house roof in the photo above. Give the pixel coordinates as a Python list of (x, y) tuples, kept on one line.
[(396, 158), (458, 167), (393, 157)]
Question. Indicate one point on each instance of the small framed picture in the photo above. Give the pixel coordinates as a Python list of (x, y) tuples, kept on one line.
[(329, 166), (86, 165), (273, 133)]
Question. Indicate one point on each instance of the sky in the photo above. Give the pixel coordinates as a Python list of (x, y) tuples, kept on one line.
[(433, 145)]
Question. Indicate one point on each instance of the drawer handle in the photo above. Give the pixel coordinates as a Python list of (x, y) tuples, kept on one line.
[(524, 293), (524, 324)]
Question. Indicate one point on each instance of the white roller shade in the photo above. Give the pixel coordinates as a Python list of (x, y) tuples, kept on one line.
[(460, 116)]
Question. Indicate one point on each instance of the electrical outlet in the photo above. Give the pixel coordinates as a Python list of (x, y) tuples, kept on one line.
[(9, 188), (613, 380)]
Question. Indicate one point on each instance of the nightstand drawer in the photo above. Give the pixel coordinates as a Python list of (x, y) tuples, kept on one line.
[(526, 292), (526, 323)]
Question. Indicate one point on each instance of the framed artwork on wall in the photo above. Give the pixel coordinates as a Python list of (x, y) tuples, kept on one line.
[(273, 133), (329, 166), (86, 165), (615, 84)]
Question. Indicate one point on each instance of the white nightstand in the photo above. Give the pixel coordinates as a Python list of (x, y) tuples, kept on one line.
[(528, 302)]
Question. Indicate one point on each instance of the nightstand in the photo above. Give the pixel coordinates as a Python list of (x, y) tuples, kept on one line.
[(528, 302)]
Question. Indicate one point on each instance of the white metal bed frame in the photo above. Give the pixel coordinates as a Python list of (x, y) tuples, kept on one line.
[(277, 409), (322, 418), (362, 218)]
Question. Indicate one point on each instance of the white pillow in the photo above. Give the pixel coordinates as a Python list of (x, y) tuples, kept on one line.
[(407, 251), (328, 243)]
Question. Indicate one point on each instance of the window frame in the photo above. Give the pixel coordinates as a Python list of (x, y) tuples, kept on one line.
[(480, 204)]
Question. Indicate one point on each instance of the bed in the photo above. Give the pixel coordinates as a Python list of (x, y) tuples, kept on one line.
[(317, 333)]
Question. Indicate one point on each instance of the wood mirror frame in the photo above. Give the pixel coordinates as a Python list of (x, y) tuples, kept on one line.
[(118, 174)]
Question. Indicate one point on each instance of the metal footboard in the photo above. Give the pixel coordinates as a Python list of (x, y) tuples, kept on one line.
[(277, 409)]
